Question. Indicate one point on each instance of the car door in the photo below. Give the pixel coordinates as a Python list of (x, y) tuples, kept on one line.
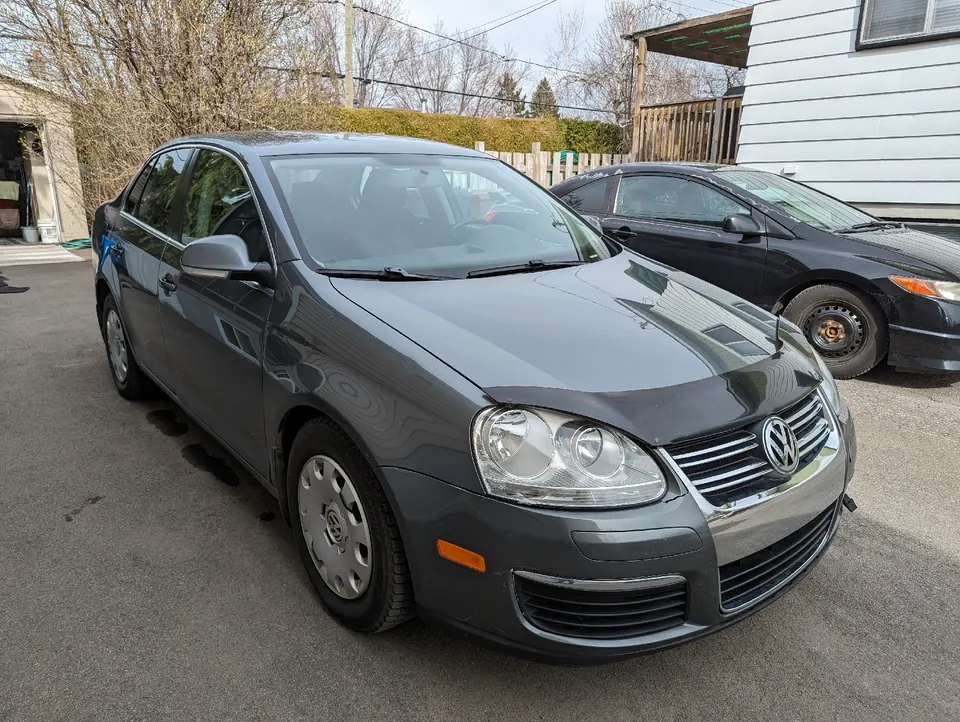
[(678, 221), (136, 243), (213, 329)]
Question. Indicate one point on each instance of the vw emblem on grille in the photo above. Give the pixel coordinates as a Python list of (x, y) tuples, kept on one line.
[(780, 445)]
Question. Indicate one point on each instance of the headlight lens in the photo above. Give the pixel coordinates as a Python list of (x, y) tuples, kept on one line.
[(829, 384), (948, 290), (543, 458)]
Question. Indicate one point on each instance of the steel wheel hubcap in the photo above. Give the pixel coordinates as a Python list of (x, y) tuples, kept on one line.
[(836, 331), (117, 346), (334, 527)]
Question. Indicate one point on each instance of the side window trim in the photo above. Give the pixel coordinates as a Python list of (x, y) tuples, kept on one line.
[(722, 191)]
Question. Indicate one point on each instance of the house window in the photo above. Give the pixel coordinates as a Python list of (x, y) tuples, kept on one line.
[(893, 22)]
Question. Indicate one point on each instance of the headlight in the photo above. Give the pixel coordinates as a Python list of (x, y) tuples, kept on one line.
[(545, 458), (948, 290), (829, 384)]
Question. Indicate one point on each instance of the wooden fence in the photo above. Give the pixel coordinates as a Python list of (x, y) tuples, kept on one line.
[(702, 131), (548, 169)]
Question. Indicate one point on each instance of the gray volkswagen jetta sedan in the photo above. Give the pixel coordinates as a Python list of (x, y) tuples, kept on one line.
[(468, 403)]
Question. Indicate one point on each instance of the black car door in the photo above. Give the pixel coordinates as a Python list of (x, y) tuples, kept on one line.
[(678, 221), (213, 328), (136, 243)]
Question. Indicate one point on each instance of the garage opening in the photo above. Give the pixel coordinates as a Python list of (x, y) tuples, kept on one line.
[(20, 151)]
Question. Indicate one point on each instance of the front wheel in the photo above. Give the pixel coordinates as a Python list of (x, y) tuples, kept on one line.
[(846, 327), (345, 531)]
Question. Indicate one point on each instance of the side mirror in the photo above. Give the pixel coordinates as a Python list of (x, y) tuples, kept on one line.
[(741, 224), (224, 256)]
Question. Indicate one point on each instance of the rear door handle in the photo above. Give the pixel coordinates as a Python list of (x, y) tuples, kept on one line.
[(624, 232), (168, 284)]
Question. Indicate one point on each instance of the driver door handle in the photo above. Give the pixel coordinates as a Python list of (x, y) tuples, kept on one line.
[(624, 232), (168, 284)]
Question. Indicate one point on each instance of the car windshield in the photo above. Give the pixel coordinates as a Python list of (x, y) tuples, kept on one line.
[(441, 215), (797, 200)]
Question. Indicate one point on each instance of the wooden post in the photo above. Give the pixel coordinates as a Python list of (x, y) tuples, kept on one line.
[(641, 76), (536, 168), (715, 131)]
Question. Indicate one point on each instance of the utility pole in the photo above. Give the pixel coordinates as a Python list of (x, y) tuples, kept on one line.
[(348, 52)]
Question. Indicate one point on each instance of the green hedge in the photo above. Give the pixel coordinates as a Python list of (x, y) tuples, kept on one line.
[(503, 134)]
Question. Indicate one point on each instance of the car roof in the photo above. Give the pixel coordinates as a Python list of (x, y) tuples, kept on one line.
[(701, 170), (272, 142)]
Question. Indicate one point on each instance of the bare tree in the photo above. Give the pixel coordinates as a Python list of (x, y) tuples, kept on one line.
[(599, 70), (138, 73), (461, 74)]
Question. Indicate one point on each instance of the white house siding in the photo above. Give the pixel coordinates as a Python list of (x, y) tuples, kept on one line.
[(878, 128)]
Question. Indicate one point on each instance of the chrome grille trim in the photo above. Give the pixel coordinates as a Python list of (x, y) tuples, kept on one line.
[(716, 465)]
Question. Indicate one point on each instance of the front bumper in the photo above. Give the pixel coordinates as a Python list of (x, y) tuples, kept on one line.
[(681, 539), (925, 335)]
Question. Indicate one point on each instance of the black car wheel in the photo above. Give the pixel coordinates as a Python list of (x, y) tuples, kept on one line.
[(846, 328), (345, 531), (127, 375)]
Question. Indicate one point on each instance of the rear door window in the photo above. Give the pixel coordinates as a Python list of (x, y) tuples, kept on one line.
[(158, 200)]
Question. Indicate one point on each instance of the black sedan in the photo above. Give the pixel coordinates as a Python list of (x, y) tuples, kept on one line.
[(861, 289)]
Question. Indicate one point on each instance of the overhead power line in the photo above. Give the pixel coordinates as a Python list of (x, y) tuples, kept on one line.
[(541, 6), (412, 86), (459, 41)]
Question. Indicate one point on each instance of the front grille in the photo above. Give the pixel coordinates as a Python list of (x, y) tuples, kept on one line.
[(749, 579), (731, 465), (602, 614)]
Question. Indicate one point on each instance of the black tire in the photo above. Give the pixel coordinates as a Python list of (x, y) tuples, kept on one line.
[(133, 384), (388, 600), (859, 321)]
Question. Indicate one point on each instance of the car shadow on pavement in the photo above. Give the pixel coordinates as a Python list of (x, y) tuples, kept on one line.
[(889, 376)]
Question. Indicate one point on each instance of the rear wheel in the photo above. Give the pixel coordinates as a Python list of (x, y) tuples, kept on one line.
[(345, 531), (846, 327), (129, 379)]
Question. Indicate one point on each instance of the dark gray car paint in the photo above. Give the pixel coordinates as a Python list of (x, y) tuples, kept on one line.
[(407, 397)]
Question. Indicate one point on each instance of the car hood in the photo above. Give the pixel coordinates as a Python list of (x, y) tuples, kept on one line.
[(625, 341), (942, 255)]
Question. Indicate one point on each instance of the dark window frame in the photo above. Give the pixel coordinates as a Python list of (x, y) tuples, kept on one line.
[(690, 179), (867, 44)]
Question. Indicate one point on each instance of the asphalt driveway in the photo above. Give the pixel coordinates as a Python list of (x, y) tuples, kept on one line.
[(142, 576)]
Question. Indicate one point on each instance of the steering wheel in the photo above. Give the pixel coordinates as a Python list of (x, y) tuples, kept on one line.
[(468, 223)]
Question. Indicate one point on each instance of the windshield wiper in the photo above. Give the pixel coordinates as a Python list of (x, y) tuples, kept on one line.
[(390, 273), (534, 265), (871, 226)]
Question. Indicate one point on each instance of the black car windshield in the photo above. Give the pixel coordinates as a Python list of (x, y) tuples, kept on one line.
[(442, 215), (797, 200)]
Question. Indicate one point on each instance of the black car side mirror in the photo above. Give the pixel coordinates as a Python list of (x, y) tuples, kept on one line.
[(224, 256), (742, 224)]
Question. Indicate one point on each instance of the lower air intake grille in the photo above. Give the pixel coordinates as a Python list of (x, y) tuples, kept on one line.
[(602, 614), (749, 579)]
